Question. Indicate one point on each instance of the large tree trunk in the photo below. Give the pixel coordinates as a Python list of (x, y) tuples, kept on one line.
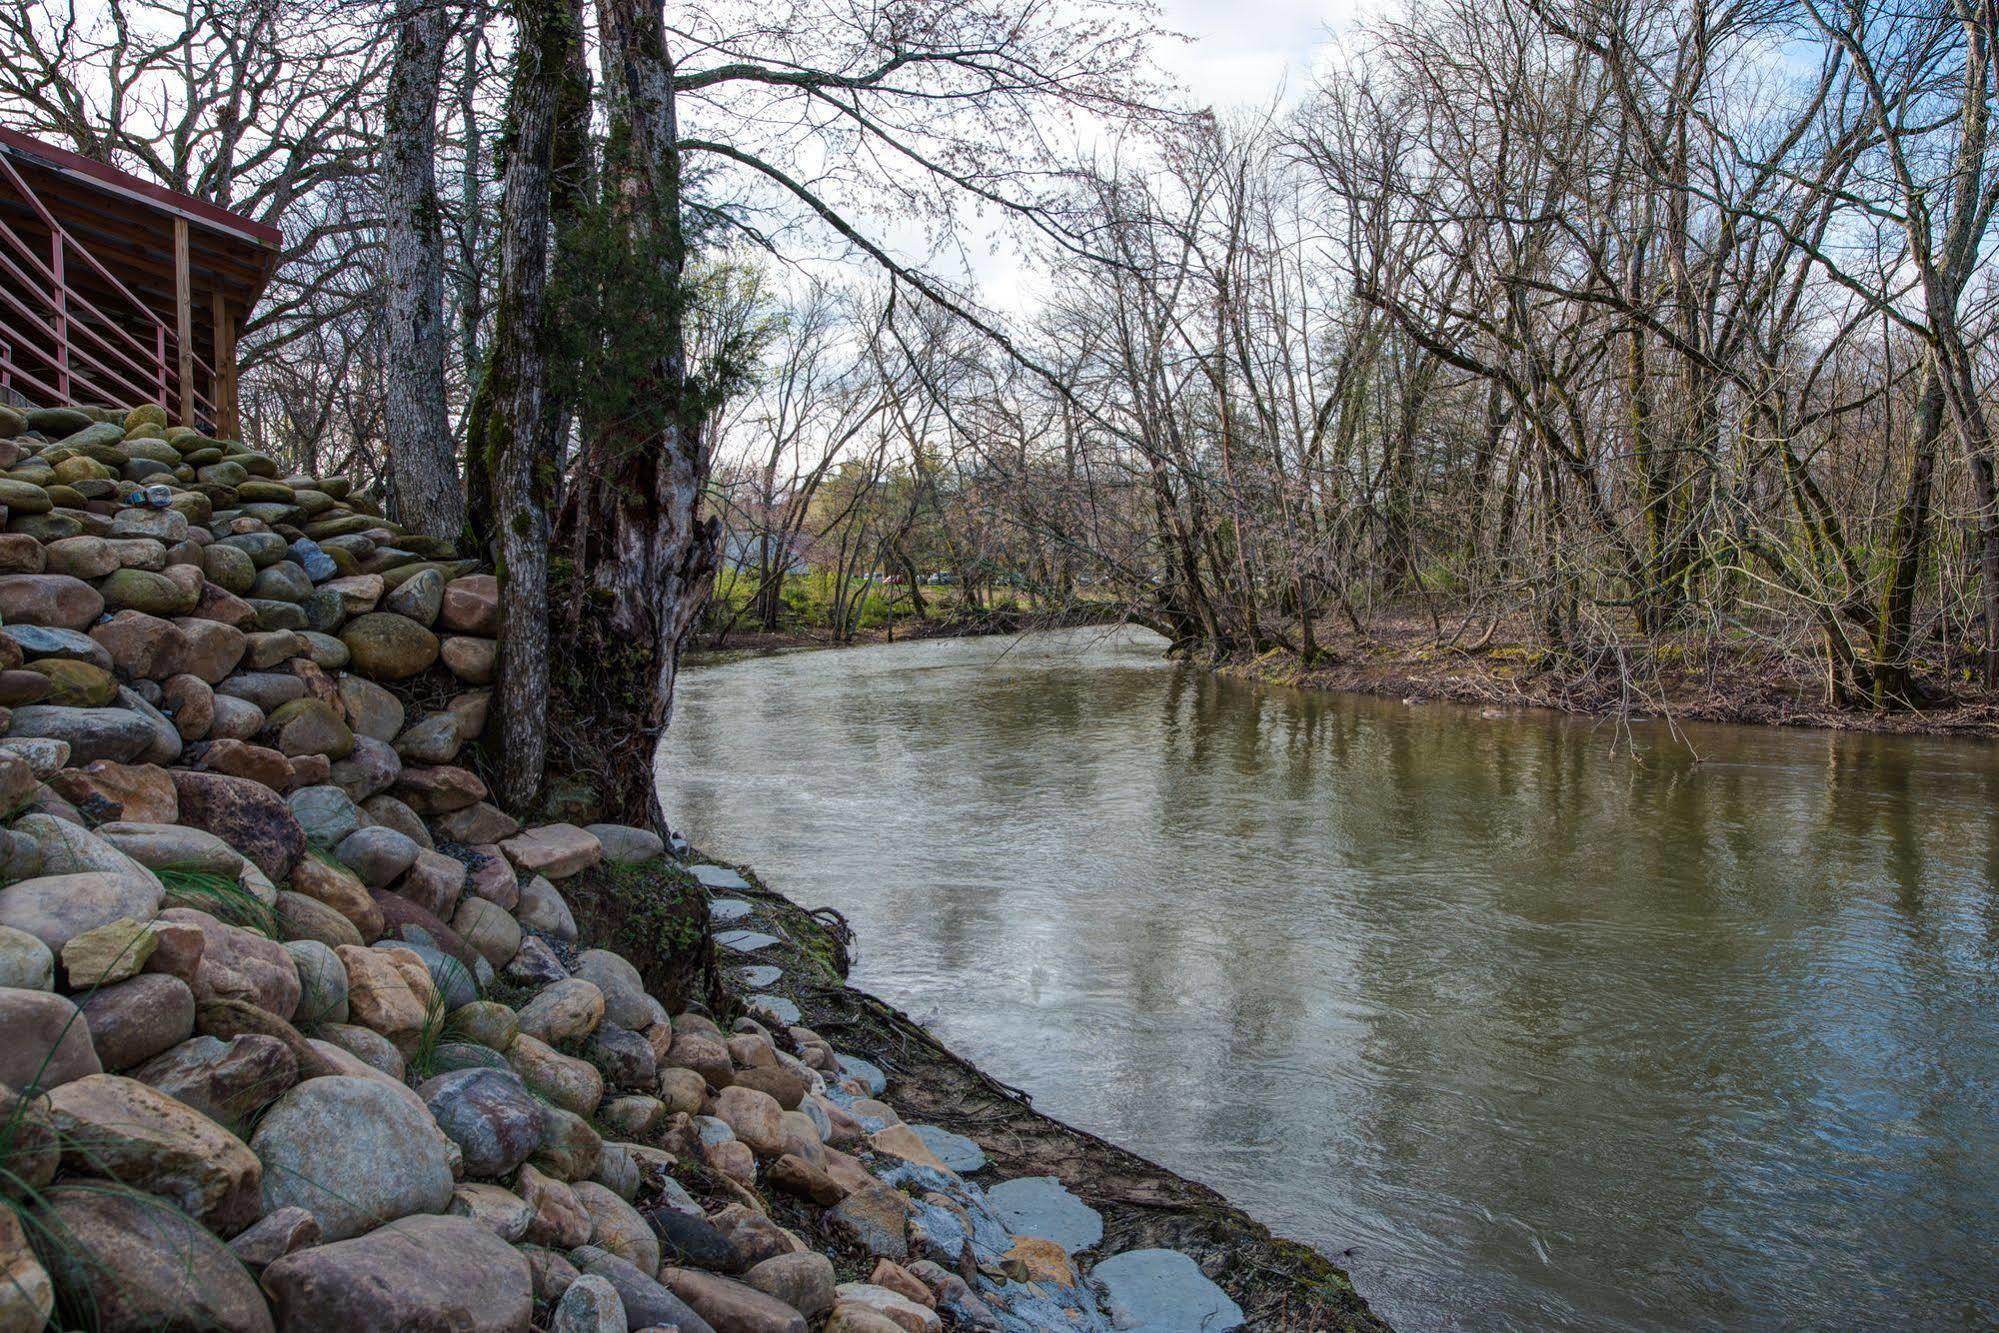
[(424, 492), (1895, 684), (515, 447), (644, 555)]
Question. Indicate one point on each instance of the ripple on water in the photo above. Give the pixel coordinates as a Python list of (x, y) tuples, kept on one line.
[(1550, 1037)]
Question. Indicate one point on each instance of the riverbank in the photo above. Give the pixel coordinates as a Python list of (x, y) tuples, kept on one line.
[(1404, 662), (983, 625), (1131, 1205), (1406, 656)]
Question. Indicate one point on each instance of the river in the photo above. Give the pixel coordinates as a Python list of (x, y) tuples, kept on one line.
[(1542, 1033)]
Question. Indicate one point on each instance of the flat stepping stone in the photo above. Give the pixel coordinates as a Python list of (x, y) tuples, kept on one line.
[(718, 877), (1163, 1291), (953, 1150), (776, 1005), (1040, 1206), (745, 941), (728, 909), (853, 1066), (761, 976)]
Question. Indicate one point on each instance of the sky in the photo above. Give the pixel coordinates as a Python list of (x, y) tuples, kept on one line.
[(1245, 51), (1240, 54)]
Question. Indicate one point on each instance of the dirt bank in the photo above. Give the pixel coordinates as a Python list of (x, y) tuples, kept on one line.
[(1404, 657)]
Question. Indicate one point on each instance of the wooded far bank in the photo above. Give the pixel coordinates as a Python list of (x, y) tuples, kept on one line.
[(1641, 351)]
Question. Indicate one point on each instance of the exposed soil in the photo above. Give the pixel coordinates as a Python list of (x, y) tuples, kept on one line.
[(1280, 1284), (1405, 657)]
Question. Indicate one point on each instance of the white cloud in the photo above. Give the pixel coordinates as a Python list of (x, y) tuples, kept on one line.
[(1245, 52)]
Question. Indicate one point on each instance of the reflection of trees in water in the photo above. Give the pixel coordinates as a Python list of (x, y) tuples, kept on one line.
[(1705, 1029)]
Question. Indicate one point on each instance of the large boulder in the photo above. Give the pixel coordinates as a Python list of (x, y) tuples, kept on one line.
[(310, 726), (326, 814), (247, 815), (133, 1021), (376, 854), (139, 1136), (49, 599), (625, 1000), (489, 1114), (25, 962), (47, 1042), (732, 1305), (371, 710), (488, 928), (354, 1153), (567, 1011), (107, 792), (416, 1275), (471, 605), (381, 996), (555, 851), (574, 1085), (227, 1081), (91, 733), (340, 889), (386, 646), (144, 647), (138, 1265), (617, 1226), (239, 964), (57, 908)]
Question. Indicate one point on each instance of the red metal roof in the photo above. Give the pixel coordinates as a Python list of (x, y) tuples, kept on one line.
[(171, 202)]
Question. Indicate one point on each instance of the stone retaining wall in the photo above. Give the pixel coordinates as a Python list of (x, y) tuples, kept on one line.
[(298, 1031)]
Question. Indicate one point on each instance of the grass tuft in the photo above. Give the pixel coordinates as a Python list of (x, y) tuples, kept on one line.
[(221, 896)]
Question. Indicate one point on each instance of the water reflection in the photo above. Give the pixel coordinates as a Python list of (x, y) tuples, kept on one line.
[(1554, 1036)]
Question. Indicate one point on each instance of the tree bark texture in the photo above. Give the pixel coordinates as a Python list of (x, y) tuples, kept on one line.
[(424, 491)]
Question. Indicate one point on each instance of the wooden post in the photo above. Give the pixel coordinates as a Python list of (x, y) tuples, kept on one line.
[(184, 321), (218, 358), (61, 299)]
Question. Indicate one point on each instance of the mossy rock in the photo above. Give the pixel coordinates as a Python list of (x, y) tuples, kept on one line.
[(66, 497), (75, 684), (56, 422), (98, 434), (146, 414), (339, 525), (202, 458), (198, 508), (143, 590), (448, 569), (257, 490), (46, 528), (78, 467), (23, 497), (154, 449), (224, 473), (228, 568), (386, 646)]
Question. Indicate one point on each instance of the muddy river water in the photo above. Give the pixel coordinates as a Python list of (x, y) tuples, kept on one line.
[(1541, 1032)]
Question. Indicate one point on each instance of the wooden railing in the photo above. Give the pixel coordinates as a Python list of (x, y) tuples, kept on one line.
[(58, 347)]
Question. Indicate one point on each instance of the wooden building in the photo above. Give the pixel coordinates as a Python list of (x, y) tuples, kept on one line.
[(115, 290)]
